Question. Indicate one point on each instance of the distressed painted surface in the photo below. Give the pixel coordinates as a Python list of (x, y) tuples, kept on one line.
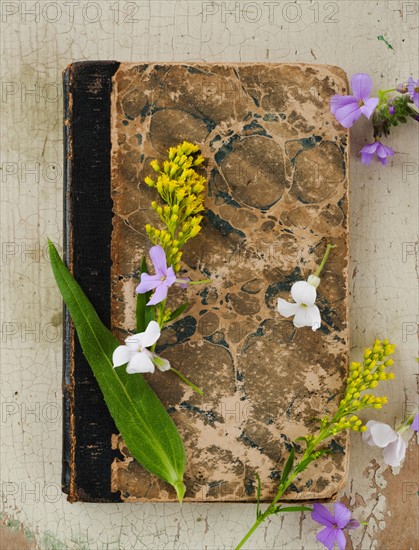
[(277, 192), (383, 271)]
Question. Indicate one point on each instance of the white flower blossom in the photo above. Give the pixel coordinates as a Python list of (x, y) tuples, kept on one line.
[(382, 435), (304, 310), (136, 354)]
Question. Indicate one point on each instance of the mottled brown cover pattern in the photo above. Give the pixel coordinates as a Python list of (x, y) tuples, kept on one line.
[(277, 193)]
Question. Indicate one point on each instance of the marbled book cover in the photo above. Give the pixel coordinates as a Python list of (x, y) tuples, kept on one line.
[(277, 193)]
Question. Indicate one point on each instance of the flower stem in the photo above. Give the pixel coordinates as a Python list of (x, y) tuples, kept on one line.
[(201, 282), (250, 532), (388, 91), (406, 423), (324, 260), (187, 382)]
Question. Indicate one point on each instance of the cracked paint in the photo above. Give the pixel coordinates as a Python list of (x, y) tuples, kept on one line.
[(383, 289)]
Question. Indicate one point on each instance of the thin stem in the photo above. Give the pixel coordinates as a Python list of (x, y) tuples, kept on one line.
[(388, 91), (324, 260), (250, 532), (201, 282), (406, 423), (188, 382)]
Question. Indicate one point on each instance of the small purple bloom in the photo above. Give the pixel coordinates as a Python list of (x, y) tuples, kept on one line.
[(401, 88), (413, 89), (415, 424), (334, 524), (163, 279), (376, 148), (348, 108), (391, 109)]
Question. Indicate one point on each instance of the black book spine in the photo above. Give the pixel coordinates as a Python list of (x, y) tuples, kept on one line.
[(87, 424)]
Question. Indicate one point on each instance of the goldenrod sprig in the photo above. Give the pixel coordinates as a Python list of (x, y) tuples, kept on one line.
[(362, 377), (182, 190)]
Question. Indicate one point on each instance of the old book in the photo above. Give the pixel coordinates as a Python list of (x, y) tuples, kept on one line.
[(277, 168)]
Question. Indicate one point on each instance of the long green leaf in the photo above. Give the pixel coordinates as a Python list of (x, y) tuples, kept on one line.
[(178, 312), (288, 466), (147, 429)]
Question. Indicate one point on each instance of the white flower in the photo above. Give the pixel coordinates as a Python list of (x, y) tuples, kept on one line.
[(136, 354), (383, 436), (306, 314)]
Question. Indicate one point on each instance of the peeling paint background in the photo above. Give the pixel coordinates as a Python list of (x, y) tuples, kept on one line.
[(38, 40)]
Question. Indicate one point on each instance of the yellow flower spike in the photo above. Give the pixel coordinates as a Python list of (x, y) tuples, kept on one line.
[(149, 181), (174, 218), (390, 376), (382, 376), (373, 384), (367, 353), (389, 362), (378, 406), (148, 227), (363, 429)]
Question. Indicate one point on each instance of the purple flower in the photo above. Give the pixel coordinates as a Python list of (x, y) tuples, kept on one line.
[(163, 279), (415, 424), (391, 109), (401, 88), (376, 148), (413, 89), (334, 524), (348, 108)]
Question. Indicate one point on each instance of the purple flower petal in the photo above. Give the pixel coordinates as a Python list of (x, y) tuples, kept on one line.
[(370, 148), (348, 114), (366, 158), (361, 86), (369, 105), (415, 424), (341, 539), (170, 276), (184, 283), (383, 151), (159, 295), (342, 515), (327, 537), (322, 515), (158, 257), (338, 101), (353, 524), (147, 283)]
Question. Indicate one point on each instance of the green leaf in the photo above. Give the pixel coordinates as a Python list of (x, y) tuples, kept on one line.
[(288, 466), (178, 312), (144, 313), (147, 429)]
